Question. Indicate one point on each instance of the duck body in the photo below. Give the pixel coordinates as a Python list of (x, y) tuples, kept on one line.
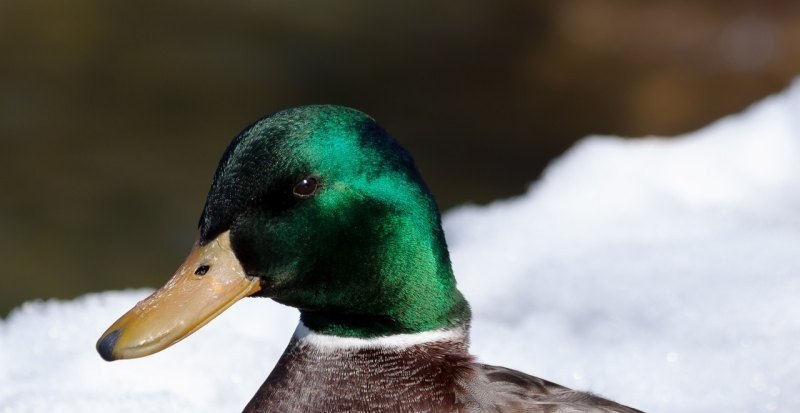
[(320, 209), (431, 372), (352, 375)]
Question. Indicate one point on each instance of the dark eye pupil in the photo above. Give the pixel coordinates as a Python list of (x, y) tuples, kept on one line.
[(202, 270), (306, 187)]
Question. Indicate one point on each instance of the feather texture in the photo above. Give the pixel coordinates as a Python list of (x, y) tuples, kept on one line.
[(439, 376)]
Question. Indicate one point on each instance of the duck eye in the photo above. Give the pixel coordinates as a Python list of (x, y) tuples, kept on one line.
[(202, 270), (306, 188)]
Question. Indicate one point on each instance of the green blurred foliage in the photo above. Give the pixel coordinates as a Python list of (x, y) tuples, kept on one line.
[(113, 114)]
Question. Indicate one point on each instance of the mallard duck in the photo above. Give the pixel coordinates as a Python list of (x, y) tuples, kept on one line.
[(320, 209)]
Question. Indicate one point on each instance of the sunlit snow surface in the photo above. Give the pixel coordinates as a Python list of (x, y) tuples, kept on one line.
[(664, 274)]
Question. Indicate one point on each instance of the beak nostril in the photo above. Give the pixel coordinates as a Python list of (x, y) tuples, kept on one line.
[(202, 270)]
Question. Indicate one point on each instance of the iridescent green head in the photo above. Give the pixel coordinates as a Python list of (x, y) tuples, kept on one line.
[(318, 208), (333, 217)]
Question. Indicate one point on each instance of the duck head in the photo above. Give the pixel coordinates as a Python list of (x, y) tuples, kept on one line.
[(317, 208)]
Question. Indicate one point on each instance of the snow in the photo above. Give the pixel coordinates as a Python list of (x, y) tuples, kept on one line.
[(660, 273)]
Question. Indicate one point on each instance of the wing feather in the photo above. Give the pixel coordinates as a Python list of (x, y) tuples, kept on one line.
[(495, 389)]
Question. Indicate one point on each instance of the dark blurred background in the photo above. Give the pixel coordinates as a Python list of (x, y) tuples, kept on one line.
[(113, 114)]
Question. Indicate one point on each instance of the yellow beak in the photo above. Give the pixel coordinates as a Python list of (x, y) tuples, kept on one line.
[(209, 281)]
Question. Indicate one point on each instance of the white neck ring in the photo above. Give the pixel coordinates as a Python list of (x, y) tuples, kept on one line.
[(327, 342)]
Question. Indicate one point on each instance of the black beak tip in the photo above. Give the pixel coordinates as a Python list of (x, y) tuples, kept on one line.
[(105, 346)]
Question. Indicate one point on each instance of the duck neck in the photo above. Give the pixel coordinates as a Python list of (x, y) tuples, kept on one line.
[(386, 272), (455, 338), (412, 290), (415, 319)]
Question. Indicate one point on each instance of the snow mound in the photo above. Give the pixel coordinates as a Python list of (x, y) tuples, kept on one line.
[(664, 274)]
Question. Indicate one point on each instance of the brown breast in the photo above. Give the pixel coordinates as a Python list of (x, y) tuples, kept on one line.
[(421, 378), (436, 376)]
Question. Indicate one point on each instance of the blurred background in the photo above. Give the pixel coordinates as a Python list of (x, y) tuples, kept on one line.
[(113, 114)]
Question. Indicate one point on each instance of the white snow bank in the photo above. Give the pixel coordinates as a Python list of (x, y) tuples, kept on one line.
[(664, 274)]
